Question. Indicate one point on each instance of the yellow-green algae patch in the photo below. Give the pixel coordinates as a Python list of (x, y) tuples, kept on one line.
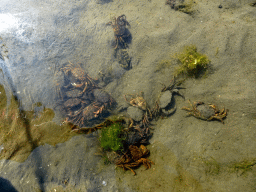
[(193, 63), (22, 131), (188, 7), (110, 137)]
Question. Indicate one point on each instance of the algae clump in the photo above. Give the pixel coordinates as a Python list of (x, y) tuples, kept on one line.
[(244, 166), (193, 63), (110, 138), (186, 7)]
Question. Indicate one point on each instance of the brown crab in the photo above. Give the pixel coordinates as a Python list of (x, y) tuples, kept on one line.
[(85, 81), (137, 100), (134, 157), (119, 26), (72, 102), (89, 111), (207, 112), (84, 114)]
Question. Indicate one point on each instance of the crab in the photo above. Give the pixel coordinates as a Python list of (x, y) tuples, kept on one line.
[(72, 102), (137, 100), (82, 79), (84, 114), (134, 157), (73, 105), (206, 112), (119, 26), (138, 135), (165, 103), (102, 101), (103, 97)]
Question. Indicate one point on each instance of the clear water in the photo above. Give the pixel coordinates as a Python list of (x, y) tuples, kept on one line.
[(40, 148)]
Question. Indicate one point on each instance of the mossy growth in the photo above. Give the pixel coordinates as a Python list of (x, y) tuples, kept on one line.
[(212, 166), (106, 160), (194, 64), (244, 166), (110, 138), (186, 7)]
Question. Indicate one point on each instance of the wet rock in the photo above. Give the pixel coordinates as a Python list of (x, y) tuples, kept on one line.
[(165, 99), (135, 113)]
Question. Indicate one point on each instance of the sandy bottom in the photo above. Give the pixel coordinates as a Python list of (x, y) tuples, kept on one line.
[(189, 154)]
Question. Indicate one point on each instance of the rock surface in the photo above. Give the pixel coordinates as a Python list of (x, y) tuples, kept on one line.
[(165, 99), (135, 113)]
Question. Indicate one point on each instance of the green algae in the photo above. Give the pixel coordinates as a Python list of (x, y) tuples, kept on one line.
[(193, 63), (244, 166), (110, 138), (213, 167)]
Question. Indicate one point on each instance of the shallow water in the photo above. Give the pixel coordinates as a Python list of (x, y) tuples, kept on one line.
[(39, 150)]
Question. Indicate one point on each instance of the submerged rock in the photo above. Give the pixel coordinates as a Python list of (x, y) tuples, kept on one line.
[(135, 113), (165, 99)]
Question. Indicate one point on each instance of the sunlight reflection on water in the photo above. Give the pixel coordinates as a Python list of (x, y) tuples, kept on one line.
[(18, 24), (7, 21)]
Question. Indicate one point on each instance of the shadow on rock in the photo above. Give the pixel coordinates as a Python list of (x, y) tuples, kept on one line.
[(6, 186)]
